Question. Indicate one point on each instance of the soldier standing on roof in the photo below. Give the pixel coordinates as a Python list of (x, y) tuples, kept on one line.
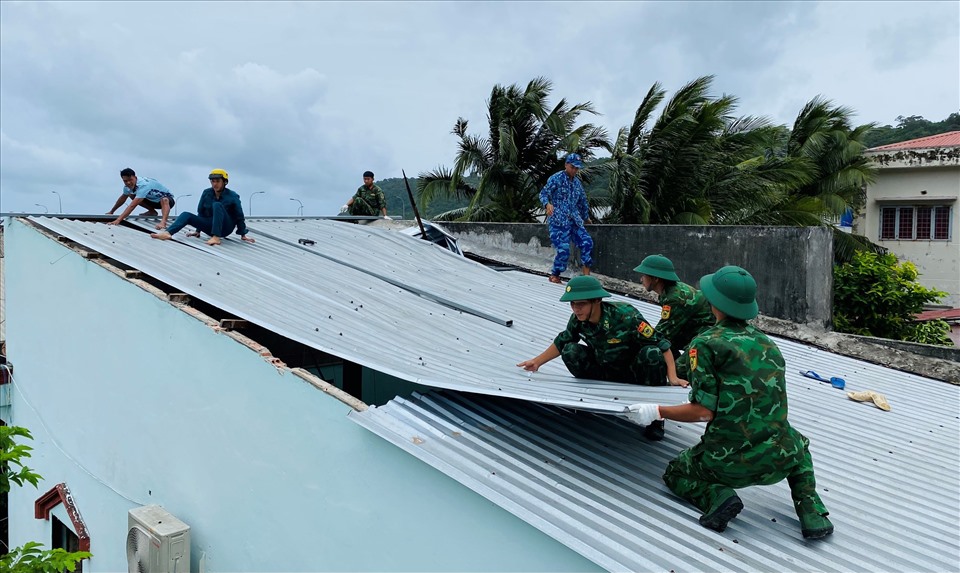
[(620, 346), (565, 203), (368, 200), (684, 312), (737, 386)]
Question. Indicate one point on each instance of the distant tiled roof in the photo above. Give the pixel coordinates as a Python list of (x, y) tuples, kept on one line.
[(948, 314), (948, 139)]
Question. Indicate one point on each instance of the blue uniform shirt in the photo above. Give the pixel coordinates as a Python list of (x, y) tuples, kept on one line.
[(568, 198), (149, 189)]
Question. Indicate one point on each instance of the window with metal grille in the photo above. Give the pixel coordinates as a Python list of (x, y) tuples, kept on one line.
[(924, 219), (915, 223), (941, 223), (888, 223), (905, 226)]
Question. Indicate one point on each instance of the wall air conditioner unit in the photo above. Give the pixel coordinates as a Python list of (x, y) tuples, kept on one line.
[(157, 542)]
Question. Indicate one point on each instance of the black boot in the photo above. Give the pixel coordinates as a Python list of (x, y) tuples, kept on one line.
[(654, 432), (718, 518)]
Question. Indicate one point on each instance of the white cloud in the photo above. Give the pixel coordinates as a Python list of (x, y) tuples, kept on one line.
[(297, 99)]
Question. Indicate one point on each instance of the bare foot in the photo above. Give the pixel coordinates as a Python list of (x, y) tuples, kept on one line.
[(555, 279), (162, 235), (214, 240)]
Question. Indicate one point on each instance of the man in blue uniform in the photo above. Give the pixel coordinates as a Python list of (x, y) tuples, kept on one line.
[(565, 203)]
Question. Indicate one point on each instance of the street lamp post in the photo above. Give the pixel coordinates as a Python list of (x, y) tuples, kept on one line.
[(250, 201), (59, 202), (45, 210), (177, 201), (300, 210)]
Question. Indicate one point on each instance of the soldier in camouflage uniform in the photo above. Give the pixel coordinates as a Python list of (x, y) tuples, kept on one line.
[(565, 203), (684, 312), (737, 386), (620, 345), (368, 200)]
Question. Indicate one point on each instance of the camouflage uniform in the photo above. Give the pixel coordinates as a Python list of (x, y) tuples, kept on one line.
[(570, 210), (621, 347), (368, 201), (738, 373), (685, 314)]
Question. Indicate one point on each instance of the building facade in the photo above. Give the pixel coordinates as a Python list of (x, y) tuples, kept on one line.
[(911, 209)]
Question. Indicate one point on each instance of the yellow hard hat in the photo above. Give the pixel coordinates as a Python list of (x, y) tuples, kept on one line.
[(218, 174)]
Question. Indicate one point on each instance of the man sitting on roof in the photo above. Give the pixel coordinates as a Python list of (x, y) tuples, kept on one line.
[(619, 344), (737, 386), (218, 213)]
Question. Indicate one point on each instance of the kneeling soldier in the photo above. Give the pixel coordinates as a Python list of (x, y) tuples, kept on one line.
[(737, 386), (619, 344)]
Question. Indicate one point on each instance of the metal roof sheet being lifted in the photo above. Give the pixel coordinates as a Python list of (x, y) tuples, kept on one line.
[(379, 298)]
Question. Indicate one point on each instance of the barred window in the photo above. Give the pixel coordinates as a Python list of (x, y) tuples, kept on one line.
[(888, 223), (941, 223), (924, 218), (916, 223)]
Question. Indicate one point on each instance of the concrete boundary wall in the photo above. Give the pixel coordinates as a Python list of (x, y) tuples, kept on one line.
[(793, 265)]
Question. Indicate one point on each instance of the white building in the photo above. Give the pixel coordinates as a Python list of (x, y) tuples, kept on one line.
[(911, 209), (345, 398)]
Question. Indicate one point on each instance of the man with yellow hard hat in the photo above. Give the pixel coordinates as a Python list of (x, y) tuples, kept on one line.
[(219, 212)]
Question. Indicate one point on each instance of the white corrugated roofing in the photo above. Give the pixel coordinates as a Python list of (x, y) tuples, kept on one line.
[(331, 297), (594, 483), (890, 479)]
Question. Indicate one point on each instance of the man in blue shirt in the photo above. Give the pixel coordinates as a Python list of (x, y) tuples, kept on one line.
[(145, 192), (565, 202), (219, 212)]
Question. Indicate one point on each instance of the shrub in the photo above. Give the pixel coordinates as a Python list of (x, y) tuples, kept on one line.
[(876, 295)]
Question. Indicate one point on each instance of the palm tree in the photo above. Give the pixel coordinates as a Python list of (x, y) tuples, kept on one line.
[(698, 164), (695, 165), (525, 144), (824, 140)]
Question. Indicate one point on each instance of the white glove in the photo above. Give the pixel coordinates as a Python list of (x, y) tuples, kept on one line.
[(643, 414), (344, 209), (388, 217)]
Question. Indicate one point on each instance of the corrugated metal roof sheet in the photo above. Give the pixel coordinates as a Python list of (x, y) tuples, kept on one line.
[(594, 483), (948, 139), (890, 479), (335, 303)]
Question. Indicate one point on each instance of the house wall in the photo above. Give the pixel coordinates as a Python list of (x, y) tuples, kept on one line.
[(133, 402), (793, 266), (937, 261)]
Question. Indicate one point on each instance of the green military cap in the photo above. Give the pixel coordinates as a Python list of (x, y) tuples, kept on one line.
[(658, 266), (733, 291), (583, 288)]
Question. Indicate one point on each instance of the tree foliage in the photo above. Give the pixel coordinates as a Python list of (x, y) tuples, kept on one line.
[(525, 143), (911, 127), (875, 295), (31, 558), (698, 163)]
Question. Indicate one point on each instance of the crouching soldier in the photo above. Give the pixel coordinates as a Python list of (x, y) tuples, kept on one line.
[(737, 386), (619, 344), (684, 312)]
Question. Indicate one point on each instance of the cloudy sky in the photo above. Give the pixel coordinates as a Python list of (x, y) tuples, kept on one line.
[(298, 99)]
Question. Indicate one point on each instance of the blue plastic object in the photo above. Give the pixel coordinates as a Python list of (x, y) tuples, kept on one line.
[(838, 383)]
